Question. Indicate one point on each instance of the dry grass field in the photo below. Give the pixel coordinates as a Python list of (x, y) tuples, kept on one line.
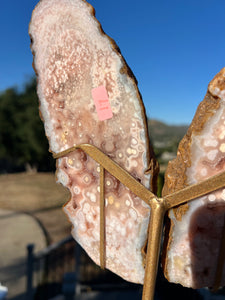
[(40, 196)]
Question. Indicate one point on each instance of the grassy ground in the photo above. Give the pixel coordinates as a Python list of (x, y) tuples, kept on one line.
[(39, 195)]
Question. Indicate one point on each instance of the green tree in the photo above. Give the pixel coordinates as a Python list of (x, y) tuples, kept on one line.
[(22, 139)]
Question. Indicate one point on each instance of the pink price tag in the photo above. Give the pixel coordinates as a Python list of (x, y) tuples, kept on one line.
[(102, 104)]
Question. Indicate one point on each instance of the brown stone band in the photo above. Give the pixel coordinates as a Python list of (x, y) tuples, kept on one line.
[(158, 206)]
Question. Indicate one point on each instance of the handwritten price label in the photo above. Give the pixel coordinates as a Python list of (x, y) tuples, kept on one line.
[(102, 104)]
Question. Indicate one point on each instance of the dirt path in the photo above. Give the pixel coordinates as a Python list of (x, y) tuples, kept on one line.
[(17, 230), (30, 212), (40, 196)]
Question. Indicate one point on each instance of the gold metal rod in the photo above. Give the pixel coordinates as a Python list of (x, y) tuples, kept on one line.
[(113, 168), (153, 249), (65, 152), (196, 190), (121, 174), (102, 217)]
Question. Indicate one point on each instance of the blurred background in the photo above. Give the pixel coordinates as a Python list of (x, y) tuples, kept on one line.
[(174, 49)]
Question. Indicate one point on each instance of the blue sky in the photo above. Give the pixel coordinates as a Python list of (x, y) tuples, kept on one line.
[(174, 47)]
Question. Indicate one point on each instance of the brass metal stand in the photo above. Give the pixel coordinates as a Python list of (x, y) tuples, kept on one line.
[(158, 206)]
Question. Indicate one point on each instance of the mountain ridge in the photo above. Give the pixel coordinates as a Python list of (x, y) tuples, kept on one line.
[(159, 130), (165, 139)]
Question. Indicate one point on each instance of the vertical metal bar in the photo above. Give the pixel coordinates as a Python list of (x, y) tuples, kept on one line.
[(102, 217), (154, 240), (30, 260)]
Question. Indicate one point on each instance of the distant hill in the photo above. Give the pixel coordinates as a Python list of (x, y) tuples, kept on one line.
[(163, 134), (165, 140)]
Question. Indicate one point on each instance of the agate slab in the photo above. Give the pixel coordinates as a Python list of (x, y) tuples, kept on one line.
[(193, 243), (72, 58)]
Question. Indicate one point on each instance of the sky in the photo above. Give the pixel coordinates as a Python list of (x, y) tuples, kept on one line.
[(174, 48)]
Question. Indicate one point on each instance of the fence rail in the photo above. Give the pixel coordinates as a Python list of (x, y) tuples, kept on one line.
[(46, 269), (65, 268)]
